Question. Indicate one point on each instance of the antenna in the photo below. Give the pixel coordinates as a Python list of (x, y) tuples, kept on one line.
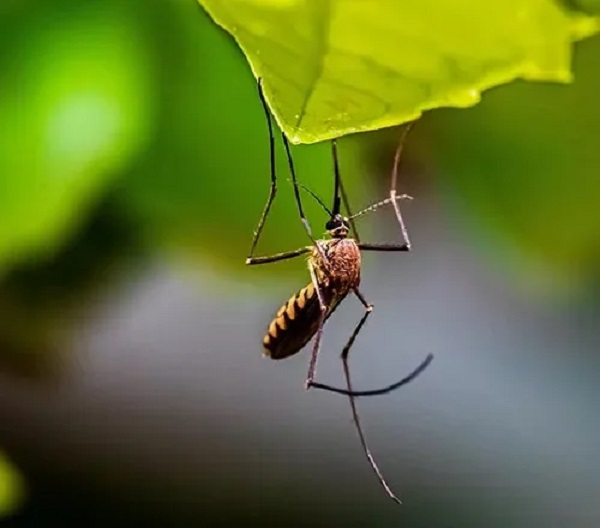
[(306, 189)]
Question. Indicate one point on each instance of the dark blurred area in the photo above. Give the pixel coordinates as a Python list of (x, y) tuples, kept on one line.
[(133, 169)]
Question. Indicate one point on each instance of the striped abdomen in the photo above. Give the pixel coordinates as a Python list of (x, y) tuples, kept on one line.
[(297, 321)]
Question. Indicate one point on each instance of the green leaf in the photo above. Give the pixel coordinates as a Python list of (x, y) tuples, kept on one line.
[(524, 165), (333, 67), (587, 6), (202, 187)]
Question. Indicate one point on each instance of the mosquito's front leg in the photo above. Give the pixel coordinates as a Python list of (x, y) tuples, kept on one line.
[(278, 256), (394, 182), (393, 199), (383, 247), (273, 187), (344, 196), (303, 218)]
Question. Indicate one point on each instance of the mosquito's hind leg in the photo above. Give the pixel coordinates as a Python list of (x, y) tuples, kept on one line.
[(361, 434), (312, 366), (352, 394), (359, 429), (373, 392), (346, 350)]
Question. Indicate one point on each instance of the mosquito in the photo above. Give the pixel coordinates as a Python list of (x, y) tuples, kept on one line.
[(334, 264)]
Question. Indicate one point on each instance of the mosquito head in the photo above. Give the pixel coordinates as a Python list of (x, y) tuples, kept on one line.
[(338, 226)]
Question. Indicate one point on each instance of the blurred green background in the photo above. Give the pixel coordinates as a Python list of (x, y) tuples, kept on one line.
[(133, 169)]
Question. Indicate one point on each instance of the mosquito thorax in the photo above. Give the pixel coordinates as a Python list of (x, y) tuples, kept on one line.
[(338, 227)]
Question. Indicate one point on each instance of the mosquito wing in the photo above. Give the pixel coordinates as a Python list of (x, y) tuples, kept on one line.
[(297, 321)]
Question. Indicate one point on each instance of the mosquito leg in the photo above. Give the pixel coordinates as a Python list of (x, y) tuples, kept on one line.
[(299, 201), (359, 429), (349, 211), (273, 188), (338, 180), (368, 307), (312, 366), (393, 198), (378, 392), (346, 350), (278, 256), (394, 182), (375, 392), (384, 247)]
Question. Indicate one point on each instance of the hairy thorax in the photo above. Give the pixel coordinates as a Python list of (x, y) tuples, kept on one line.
[(341, 271)]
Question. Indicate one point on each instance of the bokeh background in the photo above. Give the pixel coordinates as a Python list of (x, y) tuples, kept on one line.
[(133, 169)]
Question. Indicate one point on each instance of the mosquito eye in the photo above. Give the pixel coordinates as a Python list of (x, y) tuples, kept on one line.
[(331, 225)]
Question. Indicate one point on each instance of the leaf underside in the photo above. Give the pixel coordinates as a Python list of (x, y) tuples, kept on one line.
[(333, 67)]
